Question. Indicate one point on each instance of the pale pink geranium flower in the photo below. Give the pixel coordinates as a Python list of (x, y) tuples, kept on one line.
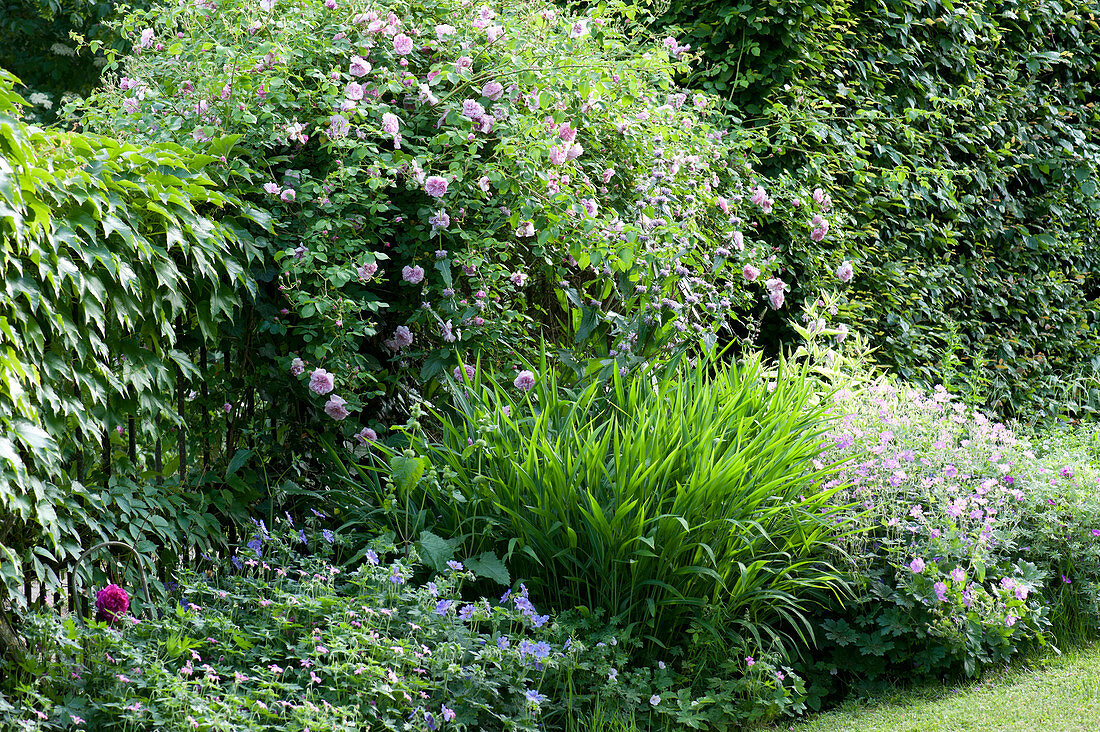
[(917, 565), (567, 133), (575, 151), (435, 186), (334, 408), (321, 382), (464, 63), (607, 175)]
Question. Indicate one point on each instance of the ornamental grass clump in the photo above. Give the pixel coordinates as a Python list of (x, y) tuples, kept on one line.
[(684, 497)]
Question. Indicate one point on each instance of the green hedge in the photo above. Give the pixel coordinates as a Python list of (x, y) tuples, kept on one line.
[(964, 138)]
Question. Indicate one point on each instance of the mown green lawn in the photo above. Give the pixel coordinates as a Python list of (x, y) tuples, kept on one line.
[(1048, 694)]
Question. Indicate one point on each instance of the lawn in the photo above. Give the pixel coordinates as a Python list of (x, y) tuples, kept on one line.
[(1050, 693)]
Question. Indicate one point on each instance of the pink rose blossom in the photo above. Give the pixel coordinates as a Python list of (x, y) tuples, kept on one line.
[(297, 367), (366, 435), (413, 275), (334, 408), (359, 66), (845, 272), (321, 382), (494, 90), (469, 370), (391, 123), (435, 186), (525, 381), (750, 272), (402, 44), (288, 195)]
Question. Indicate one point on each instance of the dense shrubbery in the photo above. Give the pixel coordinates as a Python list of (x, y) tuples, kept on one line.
[(454, 187), (962, 139)]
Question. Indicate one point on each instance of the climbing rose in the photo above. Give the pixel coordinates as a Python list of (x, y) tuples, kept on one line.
[(359, 66), (335, 408), (366, 435), (470, 371), (435, 186), (402, 338), (297, 367), (111, 603), (413, 275), (750, 272), (525, 380), (472, 109), (321, 382), (493, 90), (845, 272), (366, 271), (526, 229), (402, 44), (391, 123)]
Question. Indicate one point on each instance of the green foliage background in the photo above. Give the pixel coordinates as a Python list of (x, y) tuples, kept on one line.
[(964, 137)]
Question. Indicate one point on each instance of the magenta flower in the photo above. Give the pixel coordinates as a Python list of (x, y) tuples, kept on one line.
[(525, 381), (111, 603), (321, 382), (435, 186), (917, 565), (334, 408), (413, 275), (402, 44), (941, 591)]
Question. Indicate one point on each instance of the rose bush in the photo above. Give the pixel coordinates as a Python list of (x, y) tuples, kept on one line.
[(452, 177)]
